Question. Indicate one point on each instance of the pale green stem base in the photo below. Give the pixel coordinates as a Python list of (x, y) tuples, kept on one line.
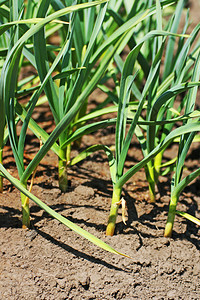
[(25, 211), (153, 175), (157, 164), (171, 217), (152, 196), (113, 212), (62, 168), (63, 180)]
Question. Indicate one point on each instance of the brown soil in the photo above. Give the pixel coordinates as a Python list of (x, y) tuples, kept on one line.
[(51, 262)]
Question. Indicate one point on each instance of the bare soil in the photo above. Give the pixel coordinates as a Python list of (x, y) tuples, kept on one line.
[(51, 262)]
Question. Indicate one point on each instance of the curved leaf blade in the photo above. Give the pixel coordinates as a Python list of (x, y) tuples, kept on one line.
[(59, 217)]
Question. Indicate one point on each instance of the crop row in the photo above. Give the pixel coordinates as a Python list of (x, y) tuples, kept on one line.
[(154, 94)]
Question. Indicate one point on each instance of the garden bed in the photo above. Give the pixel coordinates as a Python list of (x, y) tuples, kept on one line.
[(51, 262)]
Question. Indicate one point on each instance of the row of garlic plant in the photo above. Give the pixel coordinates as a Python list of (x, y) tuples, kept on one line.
[(26, 33), (10, 107), (75, 63), (154, 134)]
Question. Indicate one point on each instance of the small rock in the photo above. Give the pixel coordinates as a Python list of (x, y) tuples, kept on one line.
[(171, 294), (196, 270), (61, 283), (84, 281), (52, 283), (31, 234), (60, 275)]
